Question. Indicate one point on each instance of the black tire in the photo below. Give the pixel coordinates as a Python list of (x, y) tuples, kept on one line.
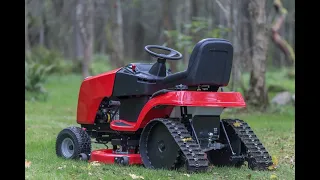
[(72, 142), (83, 157), (221, 157), (124, 160)]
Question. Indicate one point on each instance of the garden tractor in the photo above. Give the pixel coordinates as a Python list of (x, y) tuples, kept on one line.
[(147, 115)]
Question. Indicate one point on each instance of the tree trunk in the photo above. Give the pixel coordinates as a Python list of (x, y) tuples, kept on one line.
[(78, 51), (277, 39), (88, 52), (211, 16), (234, 19), (26, 34), (86, 28), (103, 45), (167, 24), (194, 8), (41, 31), (178, 20), (117, 44), (257, 93), (187, 20), (86, 59)]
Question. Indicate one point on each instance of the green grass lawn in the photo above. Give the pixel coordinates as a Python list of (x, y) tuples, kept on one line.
[(44, 120)]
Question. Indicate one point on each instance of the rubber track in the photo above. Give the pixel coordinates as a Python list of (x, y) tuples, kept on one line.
[(257, 156), (194, 156)]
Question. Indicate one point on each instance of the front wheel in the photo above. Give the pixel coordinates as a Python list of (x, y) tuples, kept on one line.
[(72, 143)]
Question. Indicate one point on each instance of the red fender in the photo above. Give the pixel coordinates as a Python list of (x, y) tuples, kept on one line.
[(92, 91), (182, 98)]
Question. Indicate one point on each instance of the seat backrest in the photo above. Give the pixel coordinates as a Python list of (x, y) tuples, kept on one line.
[(210, 63)]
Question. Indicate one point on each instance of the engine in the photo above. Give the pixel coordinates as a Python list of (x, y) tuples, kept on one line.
[(108, 111)]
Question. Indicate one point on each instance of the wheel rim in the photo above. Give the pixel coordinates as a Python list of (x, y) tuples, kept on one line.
[(67, 147), (161, 146)]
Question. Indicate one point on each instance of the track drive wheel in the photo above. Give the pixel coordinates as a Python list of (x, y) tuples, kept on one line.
[(158, 149), (221, 157), (73, 143)]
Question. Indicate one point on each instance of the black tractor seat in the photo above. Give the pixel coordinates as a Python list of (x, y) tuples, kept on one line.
[(210, 64)]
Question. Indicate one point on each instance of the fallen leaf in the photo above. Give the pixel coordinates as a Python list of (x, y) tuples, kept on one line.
[(236, 124), (272, 167), (27, 163), (187, 175), (186, 139), (133, 176), (275, 163), (249, 176), (273, 176), (89, 173), (95, 163)]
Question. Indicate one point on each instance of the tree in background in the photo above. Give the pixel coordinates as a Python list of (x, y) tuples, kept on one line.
[(277, 39), (116, 44), (167, 25), (78, 47), (85, 22), (26, 34), (257, 94)]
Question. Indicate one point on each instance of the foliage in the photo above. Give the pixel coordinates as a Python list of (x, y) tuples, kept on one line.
[(39, 64), (100, 63), (218, 32), (49, 58), (198, 29), (276, 80), (291, 74), (35, 76), (197, 25), (77, 67), (180, 41), (275, 88)]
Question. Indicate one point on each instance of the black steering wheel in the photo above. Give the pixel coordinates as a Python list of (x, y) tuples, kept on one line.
[(170, 56)]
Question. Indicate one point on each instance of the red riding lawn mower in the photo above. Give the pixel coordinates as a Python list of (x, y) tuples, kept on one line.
[(163, 120)]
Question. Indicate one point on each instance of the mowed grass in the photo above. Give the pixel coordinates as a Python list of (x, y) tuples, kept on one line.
[(44, 120)]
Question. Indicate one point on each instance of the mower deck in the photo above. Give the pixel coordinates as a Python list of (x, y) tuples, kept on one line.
[(107, 156)]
